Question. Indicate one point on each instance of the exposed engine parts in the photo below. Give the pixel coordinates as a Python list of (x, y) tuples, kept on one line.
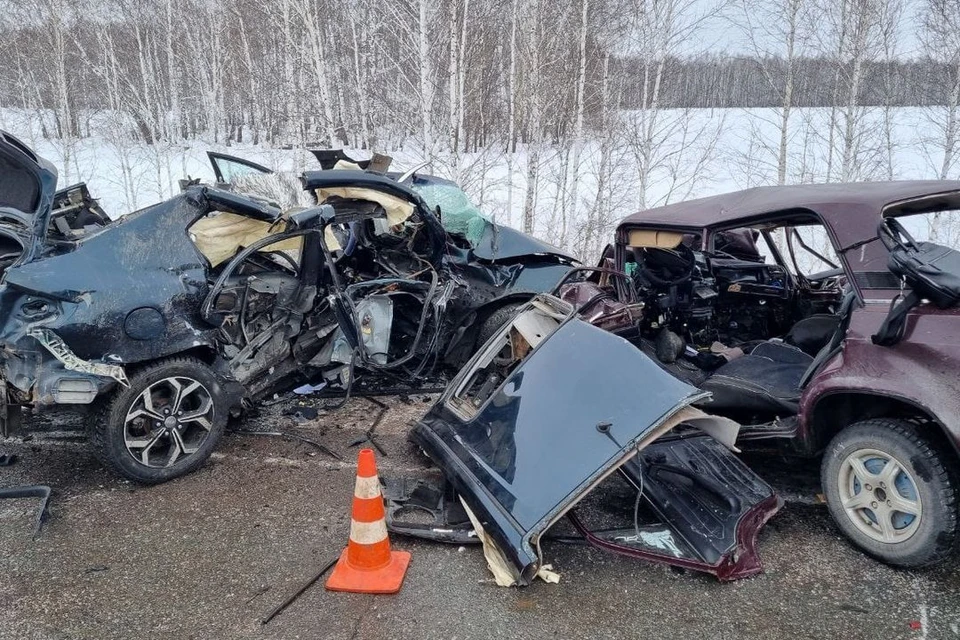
[(278, 313), (728, 295)]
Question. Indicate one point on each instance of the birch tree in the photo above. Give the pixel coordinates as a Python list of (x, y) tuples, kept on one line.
[(572, 169), (775, 32), (313, 19), (890, 19), (856, 29), (425, 66), (511, 146), (941, 38), (660, 30)]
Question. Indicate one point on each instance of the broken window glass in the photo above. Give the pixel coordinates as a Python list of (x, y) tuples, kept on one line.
[(457, 214)]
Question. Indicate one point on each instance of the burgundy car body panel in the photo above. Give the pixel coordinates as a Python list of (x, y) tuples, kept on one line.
[(921, 370), (742, 564)]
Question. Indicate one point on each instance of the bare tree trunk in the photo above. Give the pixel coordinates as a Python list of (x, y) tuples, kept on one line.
[(950, 127), (533, 176), (359, 78), (452, 76), (426, 77), (289, 75), (462, 73), (651, 116), (315, 35), (841, 48), (793, 10), (890, 25), (578, 126), (173, 78), (250, 72), (851, 109), (590, 240), (512, 106)]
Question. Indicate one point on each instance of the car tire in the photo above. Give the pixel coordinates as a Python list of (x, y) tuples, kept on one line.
[(892, 492), (492, 323), (165, 424)]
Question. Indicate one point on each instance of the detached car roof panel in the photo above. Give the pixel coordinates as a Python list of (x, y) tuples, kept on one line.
[(567, 416)]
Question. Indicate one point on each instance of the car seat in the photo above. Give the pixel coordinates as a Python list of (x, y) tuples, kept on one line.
[(772, 376)]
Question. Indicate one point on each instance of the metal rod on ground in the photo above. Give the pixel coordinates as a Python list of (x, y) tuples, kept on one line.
[(306, 585), (291, 436), (385, 391), (369, 436), (361, 393)]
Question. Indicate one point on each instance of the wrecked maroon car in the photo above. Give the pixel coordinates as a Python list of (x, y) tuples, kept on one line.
[(547, 416), (174, 317), (781, 303)]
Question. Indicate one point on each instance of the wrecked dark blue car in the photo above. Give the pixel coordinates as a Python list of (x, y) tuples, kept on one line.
[(170, 318)]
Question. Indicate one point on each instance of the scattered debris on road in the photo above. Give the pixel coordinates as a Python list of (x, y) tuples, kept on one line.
[(34, 491)]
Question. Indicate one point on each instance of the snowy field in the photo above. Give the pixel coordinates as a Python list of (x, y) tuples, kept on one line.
[(578, 191)]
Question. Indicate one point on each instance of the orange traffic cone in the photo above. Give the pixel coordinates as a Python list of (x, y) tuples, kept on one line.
[(367, 565)]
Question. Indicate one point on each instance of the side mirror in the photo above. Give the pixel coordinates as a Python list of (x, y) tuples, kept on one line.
[(187, 182), (311, 218)]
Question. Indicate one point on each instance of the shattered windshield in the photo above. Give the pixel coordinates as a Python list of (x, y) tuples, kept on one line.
[(457, 214)]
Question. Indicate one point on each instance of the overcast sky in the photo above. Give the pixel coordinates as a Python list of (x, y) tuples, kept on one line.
[(719, 34)]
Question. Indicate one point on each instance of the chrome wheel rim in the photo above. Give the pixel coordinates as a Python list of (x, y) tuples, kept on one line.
[(880, 496), (168, 422)]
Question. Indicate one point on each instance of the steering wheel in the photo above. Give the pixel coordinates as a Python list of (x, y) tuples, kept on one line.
[(675, 266), (346, 234)]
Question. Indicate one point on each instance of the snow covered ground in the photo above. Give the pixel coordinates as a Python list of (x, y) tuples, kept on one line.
[(695, 153)]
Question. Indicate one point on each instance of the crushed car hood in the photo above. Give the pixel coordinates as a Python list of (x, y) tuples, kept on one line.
[(504, 243), (563, 419)]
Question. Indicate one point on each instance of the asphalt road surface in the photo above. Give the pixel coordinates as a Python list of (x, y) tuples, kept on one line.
[(208, 555)]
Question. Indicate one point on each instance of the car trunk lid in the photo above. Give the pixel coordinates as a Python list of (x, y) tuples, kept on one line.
[(27, 187)]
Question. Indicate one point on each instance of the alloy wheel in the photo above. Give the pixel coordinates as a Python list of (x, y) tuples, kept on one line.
[(168, 422), (880, 496)]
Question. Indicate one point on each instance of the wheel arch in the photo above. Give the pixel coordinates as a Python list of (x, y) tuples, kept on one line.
[(203, 352), (838, 409), (233, 392)]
